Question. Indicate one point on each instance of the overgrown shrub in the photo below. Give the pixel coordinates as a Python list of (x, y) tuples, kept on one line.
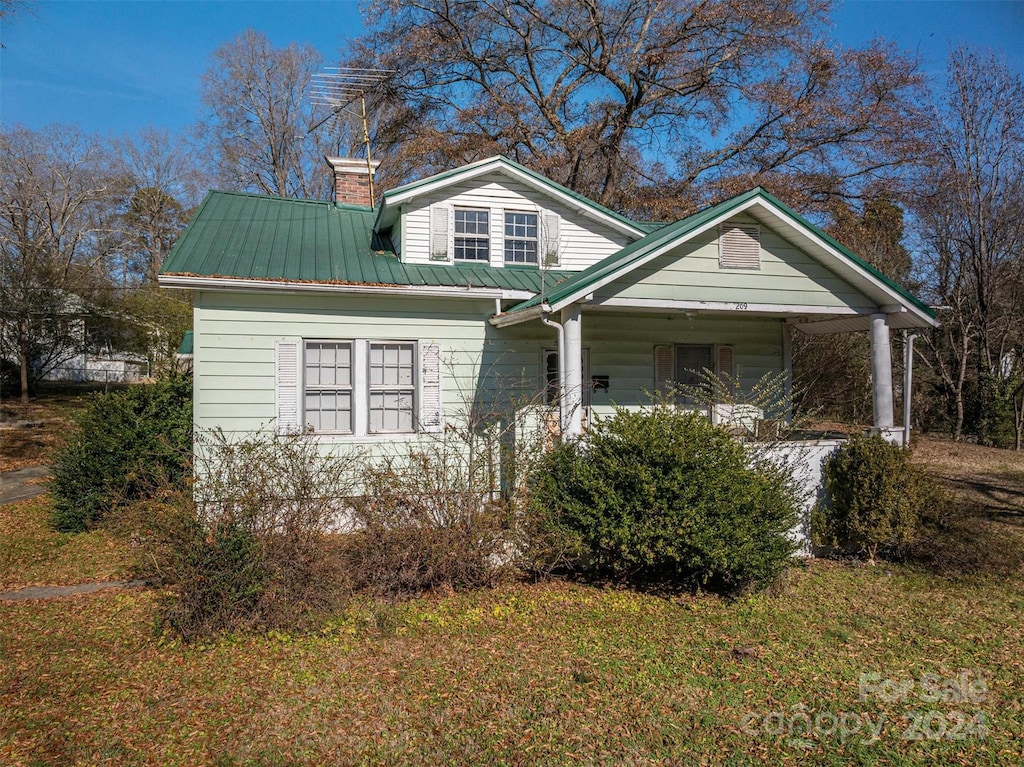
[(874, 499), (428, 519), (661, 493), (123, 444), (254, 545)]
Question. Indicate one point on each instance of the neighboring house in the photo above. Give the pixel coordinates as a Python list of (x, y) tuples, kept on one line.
[(70, 352), (373, 326), (100, 366)]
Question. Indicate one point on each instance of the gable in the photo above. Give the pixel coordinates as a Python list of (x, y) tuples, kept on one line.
[(704, 268), (685, 237), (575, 239)]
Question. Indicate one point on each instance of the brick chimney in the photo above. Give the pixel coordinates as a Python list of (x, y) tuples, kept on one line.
[(351, 180)]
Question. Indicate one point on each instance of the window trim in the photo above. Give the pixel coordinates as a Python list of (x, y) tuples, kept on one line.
[(360, 387), (319, 388), (476, 237), (507, 238), (414, 388)]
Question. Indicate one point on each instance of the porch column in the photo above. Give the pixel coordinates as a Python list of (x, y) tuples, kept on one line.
[(572, 386), (881, 371)]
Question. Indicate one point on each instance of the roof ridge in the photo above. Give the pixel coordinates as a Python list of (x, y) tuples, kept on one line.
[(282, 198), (508, 162)]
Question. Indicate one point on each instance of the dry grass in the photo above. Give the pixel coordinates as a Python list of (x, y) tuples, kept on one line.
[(985, 477), (527, 674), (32, 554), (54, 406), (548, 673)]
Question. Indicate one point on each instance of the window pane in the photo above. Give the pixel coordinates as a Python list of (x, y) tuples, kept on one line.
[(521, 238), (691, 361), (328, 375), (471, 222), (328, 364), (472, 249), (329, 411), (392, 364), (391, 411)]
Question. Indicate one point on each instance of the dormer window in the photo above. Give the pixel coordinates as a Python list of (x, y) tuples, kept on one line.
[(520, 238), (472, 235)]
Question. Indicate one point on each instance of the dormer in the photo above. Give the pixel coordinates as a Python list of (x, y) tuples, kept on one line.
[(498, 213)]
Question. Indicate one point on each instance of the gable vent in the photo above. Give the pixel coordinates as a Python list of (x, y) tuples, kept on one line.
[(739, 247)]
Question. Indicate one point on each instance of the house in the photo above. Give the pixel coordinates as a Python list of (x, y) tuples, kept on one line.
[(373, 325)]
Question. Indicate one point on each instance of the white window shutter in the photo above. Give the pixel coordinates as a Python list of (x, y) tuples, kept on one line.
[(439, 232), (664, 375), (431, 415), (287, 386), (725, 365), (550, 253), (739, 246)]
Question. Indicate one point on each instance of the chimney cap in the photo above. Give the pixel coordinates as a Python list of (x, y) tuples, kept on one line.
[(350, 164)]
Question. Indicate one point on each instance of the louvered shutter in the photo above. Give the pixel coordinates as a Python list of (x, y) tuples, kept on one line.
[(431, 416), (664, 375), (439, 233), (739, 246), (287, 386), (550, 252), (725, 366)]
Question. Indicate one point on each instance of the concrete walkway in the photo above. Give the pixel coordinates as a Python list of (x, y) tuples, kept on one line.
[(14, 485), (51, 592)]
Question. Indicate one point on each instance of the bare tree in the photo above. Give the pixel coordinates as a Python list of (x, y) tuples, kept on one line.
[(970, 213), (259, 118), (648, 106), (160, 184), (9, 8), (54, 205)]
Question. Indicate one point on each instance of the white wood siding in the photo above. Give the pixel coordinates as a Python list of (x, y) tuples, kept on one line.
[(582, 240)]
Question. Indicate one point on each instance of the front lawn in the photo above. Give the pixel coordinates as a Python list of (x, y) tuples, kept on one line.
[(840, 663)]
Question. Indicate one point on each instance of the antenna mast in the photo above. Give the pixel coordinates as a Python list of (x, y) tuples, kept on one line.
[(337, 88)]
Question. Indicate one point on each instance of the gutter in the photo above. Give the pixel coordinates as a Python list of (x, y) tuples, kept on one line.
[(187, 282), (540, 311)]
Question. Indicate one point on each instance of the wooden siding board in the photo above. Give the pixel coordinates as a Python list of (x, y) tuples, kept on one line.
[(235, 335), (787, 276), (584, 241)]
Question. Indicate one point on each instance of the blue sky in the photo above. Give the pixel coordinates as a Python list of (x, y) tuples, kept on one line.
[(115, 67)]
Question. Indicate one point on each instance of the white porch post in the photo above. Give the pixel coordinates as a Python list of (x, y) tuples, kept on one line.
[(881, 371), (572, 385)]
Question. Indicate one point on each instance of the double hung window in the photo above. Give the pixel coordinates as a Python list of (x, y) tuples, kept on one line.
[(472, 235), (328, 396), (520, 238)]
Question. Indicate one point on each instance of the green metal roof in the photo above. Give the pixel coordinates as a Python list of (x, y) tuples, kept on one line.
[(543, 180), (249, 236), (620, 262)]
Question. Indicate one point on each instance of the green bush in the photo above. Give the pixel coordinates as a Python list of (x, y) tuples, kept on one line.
[(874, 499), (662, 493), (123, 444)]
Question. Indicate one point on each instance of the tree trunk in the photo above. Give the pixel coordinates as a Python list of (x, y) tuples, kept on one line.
[(23, 363)]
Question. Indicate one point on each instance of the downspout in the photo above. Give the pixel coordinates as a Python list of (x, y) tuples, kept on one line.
[(908, 379), (561, 369)]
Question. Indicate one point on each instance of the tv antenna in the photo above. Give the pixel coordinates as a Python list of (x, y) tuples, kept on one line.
[(337, 88)]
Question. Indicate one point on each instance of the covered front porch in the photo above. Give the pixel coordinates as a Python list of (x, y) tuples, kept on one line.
[(729, 285), (610, 353)]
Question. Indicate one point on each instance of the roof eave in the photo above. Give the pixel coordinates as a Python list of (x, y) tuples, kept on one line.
[(209, 282)]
